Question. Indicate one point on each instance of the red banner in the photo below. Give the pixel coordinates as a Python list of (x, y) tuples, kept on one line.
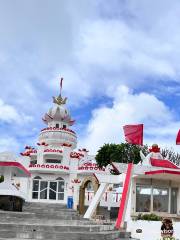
[(178, 138), (134, 134)]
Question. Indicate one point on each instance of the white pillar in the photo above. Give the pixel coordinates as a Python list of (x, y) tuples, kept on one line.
[(76, 196), (91, 209)]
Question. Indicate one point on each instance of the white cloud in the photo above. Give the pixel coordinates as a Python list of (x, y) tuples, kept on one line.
[(112, 45), (9, 114), (95, 46), (9, 143), (106, 123)]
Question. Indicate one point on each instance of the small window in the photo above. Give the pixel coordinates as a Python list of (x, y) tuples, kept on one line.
[(64, 126), (33, 162), (57, 125), (53, 161)]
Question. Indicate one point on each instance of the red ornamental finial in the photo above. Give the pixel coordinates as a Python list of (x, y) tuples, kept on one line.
[(154, 148)]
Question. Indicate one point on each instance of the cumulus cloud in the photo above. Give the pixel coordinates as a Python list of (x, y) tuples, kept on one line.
[(9, 114), (9, 143), (106, 123), (96, 46)]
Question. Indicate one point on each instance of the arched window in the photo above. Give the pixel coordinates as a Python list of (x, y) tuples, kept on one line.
[(60, 178), (37, 177)]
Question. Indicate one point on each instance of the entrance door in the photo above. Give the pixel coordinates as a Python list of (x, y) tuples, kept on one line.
[(52, 190), (48, 190), (43, 189)]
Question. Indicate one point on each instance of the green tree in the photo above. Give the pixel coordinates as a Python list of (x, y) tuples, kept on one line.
[(123, 153)]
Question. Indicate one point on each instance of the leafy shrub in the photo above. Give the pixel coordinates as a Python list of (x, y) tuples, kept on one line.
[(149, 217)]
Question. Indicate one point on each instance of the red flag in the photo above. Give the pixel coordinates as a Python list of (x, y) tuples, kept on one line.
[(178, 138), (134, 134), (61, 83)]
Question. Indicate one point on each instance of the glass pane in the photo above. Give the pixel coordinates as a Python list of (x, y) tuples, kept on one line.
[(53, 185), (61, 187), (143, 198), (60, 196), (35, 185), (160, 199), (174, 193), (53, 161), (52, 195), (43, 194), (89, 186), (35, 195), (43, 185)]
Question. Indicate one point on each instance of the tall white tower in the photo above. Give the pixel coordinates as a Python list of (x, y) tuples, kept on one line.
[(57, 135)]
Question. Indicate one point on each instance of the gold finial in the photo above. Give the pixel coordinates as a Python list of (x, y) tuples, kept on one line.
[(59, 100)]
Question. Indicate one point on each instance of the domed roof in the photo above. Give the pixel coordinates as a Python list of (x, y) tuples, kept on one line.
[(58, 112)]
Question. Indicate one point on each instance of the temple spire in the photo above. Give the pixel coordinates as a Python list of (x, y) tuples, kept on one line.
[(60, 100)]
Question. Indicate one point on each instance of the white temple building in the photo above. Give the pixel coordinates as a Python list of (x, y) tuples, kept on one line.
[(56, 171)]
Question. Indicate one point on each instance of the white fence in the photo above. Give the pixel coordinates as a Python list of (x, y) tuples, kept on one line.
[(109, 199)]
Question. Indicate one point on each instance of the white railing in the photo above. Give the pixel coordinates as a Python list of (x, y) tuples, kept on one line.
[(109, 199)]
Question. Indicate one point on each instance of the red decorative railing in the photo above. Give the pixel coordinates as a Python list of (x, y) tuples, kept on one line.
[(53, 150), (57, 129), (50, 166), (91, 168)]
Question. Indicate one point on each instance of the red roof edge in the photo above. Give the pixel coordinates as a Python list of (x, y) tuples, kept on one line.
[(162, 171), (16, 164)]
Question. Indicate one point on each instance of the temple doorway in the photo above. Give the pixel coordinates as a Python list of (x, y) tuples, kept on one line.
[(88, 183)]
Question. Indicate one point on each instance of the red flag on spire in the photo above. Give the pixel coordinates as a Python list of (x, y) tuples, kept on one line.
[(134, 134), (61, 82), (178, 138)]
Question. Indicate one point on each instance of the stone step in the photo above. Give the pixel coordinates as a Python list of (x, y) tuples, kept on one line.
[(65, 239), (56, 222), (59, 213), (47, 215), (49, 222), (44, 205), (109, 235), (35, 218), (56, 228)]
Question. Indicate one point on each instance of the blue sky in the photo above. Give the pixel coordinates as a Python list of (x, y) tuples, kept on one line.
[(120, 61)]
